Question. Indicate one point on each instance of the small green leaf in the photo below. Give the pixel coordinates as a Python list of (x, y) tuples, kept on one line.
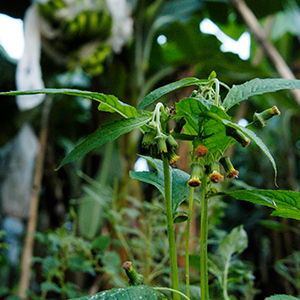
[(179, 179), (132, 293), (282, 297), (180, 219), (104, 134), (257, 86), (235, 242), (108, 103), (154, 95), (50, 286), (285, 203)]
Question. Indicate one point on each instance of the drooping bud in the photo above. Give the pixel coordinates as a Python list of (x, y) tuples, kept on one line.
[(171, 143), (259, 119), (160, 141), (179, 123), (231, 172), (238, 136), (215, 175), (194, 180), (172, 157), (149, 138), (133, 276)]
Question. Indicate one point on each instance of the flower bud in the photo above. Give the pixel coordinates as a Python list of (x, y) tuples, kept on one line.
[(194, 180), (172, 157), (160, 141), (171, 143), (148, 138), (133, 276), (179, 123), (238, 136), (231, 172), (259, 119), (215, 175), (201, 151)]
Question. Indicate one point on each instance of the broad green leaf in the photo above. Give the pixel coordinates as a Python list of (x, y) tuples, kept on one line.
[(108, 103), (104, 134), (178, 178), (282, 297), (195, 108), (286, 204), (127, 293), (250, 134), (154, 95), (257, 86)]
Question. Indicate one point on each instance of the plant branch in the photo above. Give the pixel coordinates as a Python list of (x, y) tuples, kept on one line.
[(280, 65)]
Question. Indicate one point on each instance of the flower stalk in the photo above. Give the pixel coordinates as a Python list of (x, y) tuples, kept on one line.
[(203, 241), (170, 227)]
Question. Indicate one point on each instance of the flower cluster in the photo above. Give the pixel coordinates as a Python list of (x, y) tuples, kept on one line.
[(158, 142)]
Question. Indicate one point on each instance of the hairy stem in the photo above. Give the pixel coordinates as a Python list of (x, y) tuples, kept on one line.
[(203, 241), (170, 227), (187, 243)]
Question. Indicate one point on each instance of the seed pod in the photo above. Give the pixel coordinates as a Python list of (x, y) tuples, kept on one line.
[(238, 136), (259, 119)]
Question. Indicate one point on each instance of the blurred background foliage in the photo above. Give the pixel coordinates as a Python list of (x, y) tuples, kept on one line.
[(108, 203)]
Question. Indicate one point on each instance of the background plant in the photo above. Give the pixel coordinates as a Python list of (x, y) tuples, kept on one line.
[(191, 57)]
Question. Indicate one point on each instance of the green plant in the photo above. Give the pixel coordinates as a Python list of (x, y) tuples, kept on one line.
[(207, 125)]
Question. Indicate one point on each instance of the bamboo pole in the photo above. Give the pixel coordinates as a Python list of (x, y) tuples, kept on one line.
[(26, 259)]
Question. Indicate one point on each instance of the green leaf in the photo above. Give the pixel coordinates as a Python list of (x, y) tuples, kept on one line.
[(154, 95), (250, 134), (257, 86), (108, 103), (104, 134), (178, 178), (50, 286), (235, 242), (132, 293), (285, 203), (195, 108), (282, 297)]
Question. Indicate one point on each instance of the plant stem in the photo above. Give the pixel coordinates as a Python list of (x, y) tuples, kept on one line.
[(170, 227), (187, 243), (225, 279), (203, 241)]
